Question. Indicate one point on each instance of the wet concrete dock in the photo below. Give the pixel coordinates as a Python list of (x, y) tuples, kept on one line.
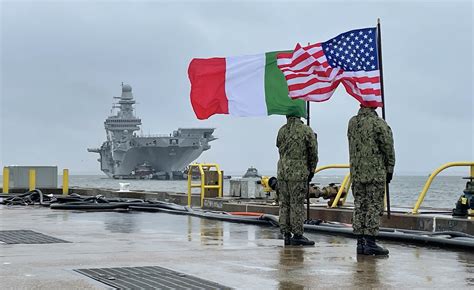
[(235, 255)]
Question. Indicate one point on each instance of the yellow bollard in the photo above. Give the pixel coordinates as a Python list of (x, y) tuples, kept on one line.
[(32, 180), (65, 181), (6, 179), (189, 184)]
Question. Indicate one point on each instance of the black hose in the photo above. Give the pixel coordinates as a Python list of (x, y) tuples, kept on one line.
[(453, 234), (31, 197), (90, 206), (162, 204), (256, 220), (399, 235), (98, 202)]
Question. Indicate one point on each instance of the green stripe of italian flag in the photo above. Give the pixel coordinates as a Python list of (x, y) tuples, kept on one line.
[(241, 86)]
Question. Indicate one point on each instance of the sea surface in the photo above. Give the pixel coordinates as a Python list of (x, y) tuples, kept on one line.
[(404, 190)]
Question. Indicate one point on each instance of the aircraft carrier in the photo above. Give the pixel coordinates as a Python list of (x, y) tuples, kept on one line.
[(125, 153)]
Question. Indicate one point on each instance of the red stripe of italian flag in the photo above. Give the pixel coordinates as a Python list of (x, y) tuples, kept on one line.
[(241, 86)]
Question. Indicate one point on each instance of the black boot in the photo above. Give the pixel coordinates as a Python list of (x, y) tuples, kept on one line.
[(287, 238), (371, 248), (300, 240), (360, 244)]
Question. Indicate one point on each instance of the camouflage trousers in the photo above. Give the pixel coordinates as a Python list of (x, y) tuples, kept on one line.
[(291, 195), (369, 206)]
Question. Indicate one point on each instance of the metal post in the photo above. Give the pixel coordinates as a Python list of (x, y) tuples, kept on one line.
[(203, 183), (32, 179), (379, 53), (65, 181), (190, 170), (6, 179), (309, 125), (308, 113)]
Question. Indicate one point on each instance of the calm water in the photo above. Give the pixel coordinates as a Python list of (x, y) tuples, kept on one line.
[(404, 190)]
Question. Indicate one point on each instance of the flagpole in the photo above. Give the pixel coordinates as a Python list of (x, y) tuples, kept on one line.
[(307, 192), (308, 113), (379, 52)]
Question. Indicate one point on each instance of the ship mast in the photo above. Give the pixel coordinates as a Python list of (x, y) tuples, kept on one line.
[(124, 123)]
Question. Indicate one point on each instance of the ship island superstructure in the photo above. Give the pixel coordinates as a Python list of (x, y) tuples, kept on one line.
[(165, 155)]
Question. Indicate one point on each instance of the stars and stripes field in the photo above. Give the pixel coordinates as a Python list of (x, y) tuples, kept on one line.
[(314, 72)]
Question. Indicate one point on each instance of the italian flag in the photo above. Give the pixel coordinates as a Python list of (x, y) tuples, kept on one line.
[(249, 85)]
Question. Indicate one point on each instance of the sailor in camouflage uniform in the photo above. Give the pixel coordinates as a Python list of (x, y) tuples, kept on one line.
[(372, 158), (298, 151)]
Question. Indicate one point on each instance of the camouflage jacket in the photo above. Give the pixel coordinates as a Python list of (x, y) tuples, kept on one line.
[(370, 147), (298, 150)]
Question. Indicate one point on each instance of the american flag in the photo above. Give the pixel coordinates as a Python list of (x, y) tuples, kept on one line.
[(314, 72)]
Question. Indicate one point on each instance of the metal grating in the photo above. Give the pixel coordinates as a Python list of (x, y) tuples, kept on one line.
[(27, 237), (152, 277)]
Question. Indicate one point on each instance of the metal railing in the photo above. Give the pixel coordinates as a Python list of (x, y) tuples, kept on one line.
[(423, 192), (345, 185), (202, 186)]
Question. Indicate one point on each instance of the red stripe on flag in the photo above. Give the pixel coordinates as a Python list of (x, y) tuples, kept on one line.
[(325, 74), (284, 55), (318, 54), (366, 91), (307, 68), (207, 78), (360, 99), (313, 45), (319, 91), (362, 80), (304, 55), (315, 80), (295, 61)]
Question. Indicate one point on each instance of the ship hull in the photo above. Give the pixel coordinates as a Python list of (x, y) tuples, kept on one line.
[(159, 158)]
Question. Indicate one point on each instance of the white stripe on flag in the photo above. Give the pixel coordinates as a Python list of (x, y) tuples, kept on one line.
[(308, 89), (302, 80), (302, 64), (288, 60), (318, 97), (315, 49), (363, 86), (370, 97), (245, 85), (361, 73)]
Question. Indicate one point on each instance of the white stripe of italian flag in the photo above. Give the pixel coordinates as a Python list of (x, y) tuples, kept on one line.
[(241, 86)]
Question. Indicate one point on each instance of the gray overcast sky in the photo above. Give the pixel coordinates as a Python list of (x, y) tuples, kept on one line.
[(63, 62)]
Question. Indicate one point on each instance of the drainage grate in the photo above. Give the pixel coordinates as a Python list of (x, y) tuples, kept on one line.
[(152, 277), (27, 237)]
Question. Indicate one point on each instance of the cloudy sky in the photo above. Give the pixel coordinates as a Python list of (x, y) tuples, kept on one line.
[(61, 64)]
